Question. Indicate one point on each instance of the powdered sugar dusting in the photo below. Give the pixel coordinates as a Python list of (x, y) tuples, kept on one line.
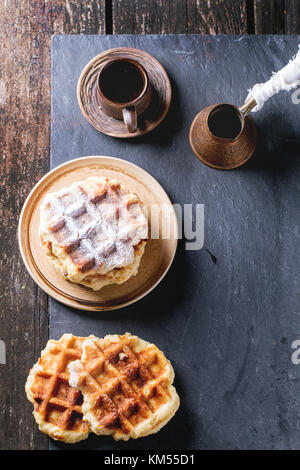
[(96, 221)]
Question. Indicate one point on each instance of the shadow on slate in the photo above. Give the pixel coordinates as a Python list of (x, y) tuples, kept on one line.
[(226, 315), (164, 133)]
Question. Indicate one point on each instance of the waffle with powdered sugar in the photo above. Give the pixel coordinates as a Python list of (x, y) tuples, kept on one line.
[(92, 228)]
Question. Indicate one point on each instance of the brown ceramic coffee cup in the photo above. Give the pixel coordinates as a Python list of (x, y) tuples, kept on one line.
[(124, 90)]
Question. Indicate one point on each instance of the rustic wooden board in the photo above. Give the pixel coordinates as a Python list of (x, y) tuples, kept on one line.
[(192, 16), (280, 17), (292, 17), (25, 31), (25, 35), (270, 16), (218, 17), (230, 309)]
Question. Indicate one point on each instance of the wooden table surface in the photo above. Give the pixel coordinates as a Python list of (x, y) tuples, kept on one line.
[(26, 27)]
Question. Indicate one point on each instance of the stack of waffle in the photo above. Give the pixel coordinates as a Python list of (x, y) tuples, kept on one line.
[(119, 386), (94, 231)]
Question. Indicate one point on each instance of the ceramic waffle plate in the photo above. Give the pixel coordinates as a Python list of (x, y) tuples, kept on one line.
[(155, 262)]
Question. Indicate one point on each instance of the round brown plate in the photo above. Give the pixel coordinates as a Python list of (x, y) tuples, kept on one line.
[(88, 97), (155, 262)]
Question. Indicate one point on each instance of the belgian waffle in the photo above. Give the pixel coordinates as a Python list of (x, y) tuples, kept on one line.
[(57, 406), (127, 386), (92, 230)]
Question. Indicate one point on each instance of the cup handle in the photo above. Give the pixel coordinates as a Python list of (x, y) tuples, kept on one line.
[(130, 118)]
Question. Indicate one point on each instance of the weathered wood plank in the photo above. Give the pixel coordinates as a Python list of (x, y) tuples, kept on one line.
[(77, 17), (292, 17), (217, 17), (25, 36), (149, 17), (193, 16), (269, 16), (24, 130)]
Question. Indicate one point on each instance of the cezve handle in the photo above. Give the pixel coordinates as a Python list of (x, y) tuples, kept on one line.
[(285, 79)]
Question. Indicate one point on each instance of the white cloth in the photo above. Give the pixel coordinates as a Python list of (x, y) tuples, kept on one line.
[(285, 79)]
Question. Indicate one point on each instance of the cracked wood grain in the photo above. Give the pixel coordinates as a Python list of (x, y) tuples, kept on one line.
[(217, 17), (25, 37), (192, 16), (280, 17), (149, 17), (269, 16)]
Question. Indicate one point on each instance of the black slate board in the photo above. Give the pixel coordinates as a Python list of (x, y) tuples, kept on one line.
[(226, 320)]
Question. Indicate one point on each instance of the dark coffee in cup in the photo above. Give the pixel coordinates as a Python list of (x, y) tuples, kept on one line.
[(122, 81), (124, 90), (226, 122)]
